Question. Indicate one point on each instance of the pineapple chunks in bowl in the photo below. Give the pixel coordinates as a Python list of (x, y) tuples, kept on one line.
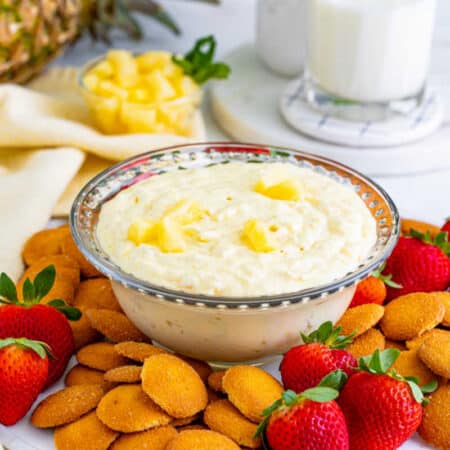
[(147, 93)]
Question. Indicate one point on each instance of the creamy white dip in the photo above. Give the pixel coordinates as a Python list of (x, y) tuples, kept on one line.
[(320, 237)]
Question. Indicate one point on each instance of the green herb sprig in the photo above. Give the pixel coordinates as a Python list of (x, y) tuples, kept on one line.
[(199, 63)]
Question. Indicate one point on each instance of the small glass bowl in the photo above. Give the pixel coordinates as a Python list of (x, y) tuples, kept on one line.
[(219, 329), (115, 116)]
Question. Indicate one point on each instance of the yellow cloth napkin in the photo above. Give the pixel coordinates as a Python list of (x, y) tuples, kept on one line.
[(30, 185)]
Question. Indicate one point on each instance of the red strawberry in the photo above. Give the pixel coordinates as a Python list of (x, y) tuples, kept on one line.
[(23, 372), (305, 365), (420, 264), (311, 420), (373, 288), (446, 226), (382, 409), (43, 322)]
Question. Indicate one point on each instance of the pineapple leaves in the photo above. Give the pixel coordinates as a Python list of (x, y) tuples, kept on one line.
[(198, 63), (7, 289)]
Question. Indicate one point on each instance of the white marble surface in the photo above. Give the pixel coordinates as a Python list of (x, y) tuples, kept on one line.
[(422, 196)]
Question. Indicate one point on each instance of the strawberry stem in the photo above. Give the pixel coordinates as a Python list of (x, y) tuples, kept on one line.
[(386, 279), (39, 347), (329, 336)]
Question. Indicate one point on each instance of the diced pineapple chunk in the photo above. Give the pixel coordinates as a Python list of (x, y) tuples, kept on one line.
[(142, 231), (186, 86), (107, 88), (196, 235), (106, 114), (159, 86), (103, 69), (139, 95), (153, 60), (284, 190), (138, 119), (170, 236), (91, 81), (257, 237), (186, 212), (125, 67)]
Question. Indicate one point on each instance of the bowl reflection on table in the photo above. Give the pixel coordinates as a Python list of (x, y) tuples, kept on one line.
[(219, 329)]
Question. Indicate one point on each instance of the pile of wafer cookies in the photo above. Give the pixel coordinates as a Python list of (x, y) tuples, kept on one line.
[(134, 395), (418, 325)]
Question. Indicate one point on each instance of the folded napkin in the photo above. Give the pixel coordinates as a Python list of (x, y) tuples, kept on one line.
[(30, 185)]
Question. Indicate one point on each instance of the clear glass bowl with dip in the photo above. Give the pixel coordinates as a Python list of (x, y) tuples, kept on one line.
[(226, 330)]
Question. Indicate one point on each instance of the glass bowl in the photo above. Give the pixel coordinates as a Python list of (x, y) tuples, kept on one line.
[(225, 330), (112, 115)]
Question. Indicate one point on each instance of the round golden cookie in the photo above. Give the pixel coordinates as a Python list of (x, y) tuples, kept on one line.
[(411, 315), (201, 440), (96, 293), (83, 333), (87, 433), (44, 243), (367, 343), (435, 354), (223, 417), (137, 351), (251, 390), (415, 343), (83, 375), (215, 380), (154, 439), (395, 344), (360, 319), (408, 364), (128, 409), (435, 427), (174, 385), (68, 247), (100, 356), (124, 374), (115, 326), (201, 367), (444, 297), (65, 267), (66, 405)]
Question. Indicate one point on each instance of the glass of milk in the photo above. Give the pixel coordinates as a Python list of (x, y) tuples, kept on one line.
[(367, 59)]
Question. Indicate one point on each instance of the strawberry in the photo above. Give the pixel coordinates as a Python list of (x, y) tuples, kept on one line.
[(323, 352), (420, 264), (373, 288), (382, 409), (446, 227), (42, 322), (23, 373), (311, 420)]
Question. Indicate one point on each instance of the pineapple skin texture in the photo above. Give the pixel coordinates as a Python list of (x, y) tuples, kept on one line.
[(143, 94)]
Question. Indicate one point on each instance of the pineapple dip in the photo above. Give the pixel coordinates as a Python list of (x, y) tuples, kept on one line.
[(237, 229)]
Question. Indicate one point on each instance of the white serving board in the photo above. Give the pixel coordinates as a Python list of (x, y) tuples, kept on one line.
[(247, 109), (23, 436)]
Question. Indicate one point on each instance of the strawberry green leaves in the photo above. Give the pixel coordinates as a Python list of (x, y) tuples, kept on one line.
[(39, 347), (7, 288), (379, 363), (440, 240), (329, 336), (386, 279), (198, 62), (34, 291)]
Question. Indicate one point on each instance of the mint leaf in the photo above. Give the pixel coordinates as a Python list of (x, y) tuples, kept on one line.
[(320, 394), (44, 281), (198, 62), (7, 288)]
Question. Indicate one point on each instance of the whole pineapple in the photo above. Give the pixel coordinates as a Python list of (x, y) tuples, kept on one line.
[(33, 32)]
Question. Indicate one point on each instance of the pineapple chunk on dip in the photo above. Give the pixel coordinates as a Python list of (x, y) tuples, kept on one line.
[(237, 229)]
